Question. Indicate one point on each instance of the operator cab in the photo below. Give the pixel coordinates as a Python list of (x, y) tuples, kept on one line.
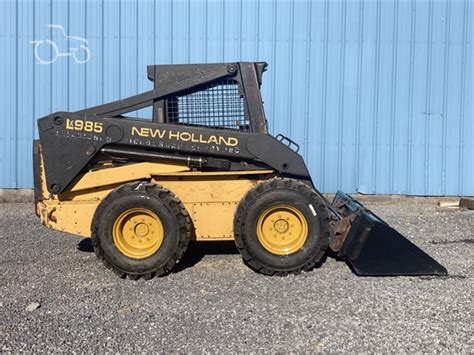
[(225, 104)]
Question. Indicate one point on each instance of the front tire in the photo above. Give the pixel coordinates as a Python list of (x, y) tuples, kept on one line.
[(281, 226), (141, 230)]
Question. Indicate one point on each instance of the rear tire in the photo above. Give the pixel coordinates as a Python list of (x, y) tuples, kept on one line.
[(141, 230), (281, 226)]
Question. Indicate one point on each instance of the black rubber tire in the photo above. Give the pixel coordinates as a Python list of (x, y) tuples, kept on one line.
[(273, 192), (176, 222)]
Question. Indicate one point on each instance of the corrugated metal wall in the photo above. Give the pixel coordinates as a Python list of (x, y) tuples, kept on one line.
[(378, 93)]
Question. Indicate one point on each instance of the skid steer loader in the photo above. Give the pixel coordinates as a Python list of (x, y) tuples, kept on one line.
[(203, 167)]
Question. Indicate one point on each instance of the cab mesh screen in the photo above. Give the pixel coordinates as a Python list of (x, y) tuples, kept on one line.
[(219, 106)]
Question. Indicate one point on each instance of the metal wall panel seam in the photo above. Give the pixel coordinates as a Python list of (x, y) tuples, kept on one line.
[(119, 59), (189, 31), (274, 39), (223, 32), (17, 131), (6, 37), (171, 19), (445, 95), (154, 33), (307, 81), (410, 97), (20, 152), (360, 54), (102, 50), (324, 90), (340, 119), (393, 101), (3, 137), (86, 104), (34, 74), (68, 63), (51, 54), (376, 98), (462, 99), (241, 33), (137, 49), (427, 112), (207, 27), (289, 104), (257, 39)]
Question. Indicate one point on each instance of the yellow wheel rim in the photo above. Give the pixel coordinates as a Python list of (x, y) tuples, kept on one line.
[(138, 233), (282, 229)]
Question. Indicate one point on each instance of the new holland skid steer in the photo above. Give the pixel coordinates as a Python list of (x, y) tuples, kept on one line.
[(203, 167)]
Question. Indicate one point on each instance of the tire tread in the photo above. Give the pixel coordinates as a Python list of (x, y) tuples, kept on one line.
[(288, 184), (176, 207)]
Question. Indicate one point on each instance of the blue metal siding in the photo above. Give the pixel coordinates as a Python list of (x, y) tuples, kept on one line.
[(379, 93)]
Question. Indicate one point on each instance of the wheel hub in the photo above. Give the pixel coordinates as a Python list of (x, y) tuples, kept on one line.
[(141, 230), (282, 229), (138, 233), (281, 226)]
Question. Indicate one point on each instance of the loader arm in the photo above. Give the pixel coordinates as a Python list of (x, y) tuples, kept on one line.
[(70, 141)]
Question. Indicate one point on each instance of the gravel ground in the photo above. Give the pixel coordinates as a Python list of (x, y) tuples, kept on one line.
[(213, 302)]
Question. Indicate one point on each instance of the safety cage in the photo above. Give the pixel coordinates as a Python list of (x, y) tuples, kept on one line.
[(217, 105)]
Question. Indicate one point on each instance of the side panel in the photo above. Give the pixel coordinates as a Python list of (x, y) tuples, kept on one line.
[(210, 199), (69, 217)]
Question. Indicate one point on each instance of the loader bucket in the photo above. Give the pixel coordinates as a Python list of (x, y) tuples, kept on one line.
[(372, 248)]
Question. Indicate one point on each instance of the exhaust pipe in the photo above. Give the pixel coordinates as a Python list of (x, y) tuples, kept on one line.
[(372, 248)]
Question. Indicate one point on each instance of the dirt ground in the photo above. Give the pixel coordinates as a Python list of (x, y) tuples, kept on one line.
[(55, 296)]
